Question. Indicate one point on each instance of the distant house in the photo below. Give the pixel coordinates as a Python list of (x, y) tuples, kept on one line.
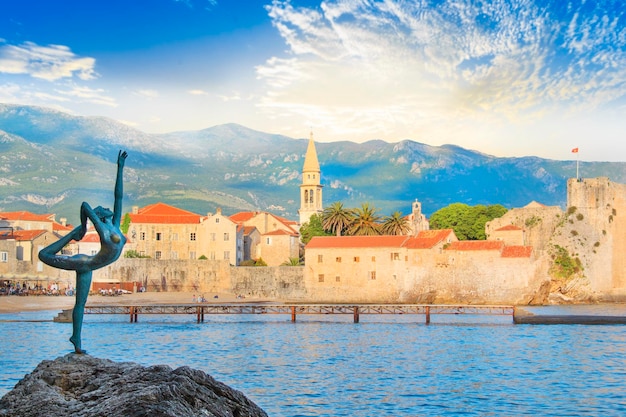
[(368, 267), (277, 241), (161, 231), (25, 220), (19, 250), (509, 234)]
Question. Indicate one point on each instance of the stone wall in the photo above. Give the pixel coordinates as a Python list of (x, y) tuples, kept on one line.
[(207, 277)]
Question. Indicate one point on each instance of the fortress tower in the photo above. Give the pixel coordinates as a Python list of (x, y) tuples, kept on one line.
[(310, 189)]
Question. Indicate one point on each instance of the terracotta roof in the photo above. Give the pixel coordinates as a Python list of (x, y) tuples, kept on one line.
[(356, 241), (91, 238), (162, 213), (58, 227), (26, 215), (280, 232), (468, 245), (243, 216), (248, 229), (508, 227), (22, 235), (427, 239), (517, 251)]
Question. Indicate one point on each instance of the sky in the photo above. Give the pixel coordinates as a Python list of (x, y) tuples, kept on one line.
[(507, 78)]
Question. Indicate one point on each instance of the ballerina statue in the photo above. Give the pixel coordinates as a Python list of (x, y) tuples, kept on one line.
[(112, 240)]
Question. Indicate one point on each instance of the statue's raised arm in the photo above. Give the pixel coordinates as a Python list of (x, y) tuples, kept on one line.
[(119, 188)]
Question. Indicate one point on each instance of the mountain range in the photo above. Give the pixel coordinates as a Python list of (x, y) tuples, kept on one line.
[(51, 161)]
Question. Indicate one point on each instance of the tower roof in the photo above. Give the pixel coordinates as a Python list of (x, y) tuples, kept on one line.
[(310, 160)]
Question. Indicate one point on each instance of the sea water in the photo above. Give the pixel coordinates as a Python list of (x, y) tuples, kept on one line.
[(382, 366)]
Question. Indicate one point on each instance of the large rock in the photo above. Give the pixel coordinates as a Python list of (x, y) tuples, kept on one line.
[(81, 385)]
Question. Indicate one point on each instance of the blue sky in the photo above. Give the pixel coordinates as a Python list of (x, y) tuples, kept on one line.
[(507, 78)]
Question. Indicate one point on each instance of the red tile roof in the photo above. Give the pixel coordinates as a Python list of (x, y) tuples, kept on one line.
[(517, 251), (427, 239), (243, 216), (162, 213), (58, 227), (26, 215), (248, 229), (91, 238), (280, 232), (508, 227), (469, 245), (356, 241), (22, 235)]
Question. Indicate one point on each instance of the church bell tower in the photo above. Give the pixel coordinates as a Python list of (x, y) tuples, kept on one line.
[(310, 189)]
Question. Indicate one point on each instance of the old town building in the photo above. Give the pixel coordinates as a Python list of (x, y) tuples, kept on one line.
[(161, 231)]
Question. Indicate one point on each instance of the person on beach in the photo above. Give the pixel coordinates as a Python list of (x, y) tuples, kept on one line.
[(112, 240)]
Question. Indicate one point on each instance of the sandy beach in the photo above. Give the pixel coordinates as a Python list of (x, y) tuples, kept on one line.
[(15, 303)]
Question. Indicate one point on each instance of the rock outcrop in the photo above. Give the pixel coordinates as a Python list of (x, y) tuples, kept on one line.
[(82, 385)]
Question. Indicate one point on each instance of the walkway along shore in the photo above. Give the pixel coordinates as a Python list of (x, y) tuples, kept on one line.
[(200, 310)]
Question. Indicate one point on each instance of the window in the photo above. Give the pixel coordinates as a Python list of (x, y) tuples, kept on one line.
[(357, 259), (192, 236), (338, 259), (268, 240), (94, 252), (192, 255), (395, 256), (4, 256), (337, 278), (373, 259), (217, 220), (320, 258), (142, 235), (226, 255), (226, 237), (158, 236), (372, 275), (174, 236), (174, 255), (320, 278), (157, 254), (213, 237)]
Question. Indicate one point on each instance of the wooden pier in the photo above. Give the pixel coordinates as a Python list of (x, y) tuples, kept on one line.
[(293, 310)]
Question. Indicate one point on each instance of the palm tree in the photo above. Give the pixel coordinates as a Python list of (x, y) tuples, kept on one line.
[(365, 221), (396, 224), (336, 218)]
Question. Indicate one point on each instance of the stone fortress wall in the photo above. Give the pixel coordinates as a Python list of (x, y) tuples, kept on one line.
[(591, 228)]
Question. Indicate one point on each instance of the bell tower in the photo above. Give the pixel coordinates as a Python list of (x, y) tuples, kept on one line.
[(310, 189)]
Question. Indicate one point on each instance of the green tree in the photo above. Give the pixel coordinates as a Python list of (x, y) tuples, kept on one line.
[(292, 262), (312, 228), (468, 222), (396, 224), (125, 223), (336, 218), (365, 221)]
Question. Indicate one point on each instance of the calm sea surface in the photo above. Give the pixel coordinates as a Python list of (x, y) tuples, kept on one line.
[(383, 366)]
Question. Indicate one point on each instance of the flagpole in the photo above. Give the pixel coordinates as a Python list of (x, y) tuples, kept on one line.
[(577, 177)]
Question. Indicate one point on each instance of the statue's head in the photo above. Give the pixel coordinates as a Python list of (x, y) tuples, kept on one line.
[(103, 213)]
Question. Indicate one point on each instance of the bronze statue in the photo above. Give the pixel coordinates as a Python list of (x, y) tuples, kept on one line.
[(112, 240)]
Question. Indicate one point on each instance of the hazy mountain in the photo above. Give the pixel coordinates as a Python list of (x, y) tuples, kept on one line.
[(51, 161)]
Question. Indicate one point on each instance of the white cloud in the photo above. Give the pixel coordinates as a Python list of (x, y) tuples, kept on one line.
[(88, 95), (380, 68), (198, 92), (50, 63), (147, 93)]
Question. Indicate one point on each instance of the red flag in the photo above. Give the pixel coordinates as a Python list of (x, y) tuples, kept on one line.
[(575, 150)]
